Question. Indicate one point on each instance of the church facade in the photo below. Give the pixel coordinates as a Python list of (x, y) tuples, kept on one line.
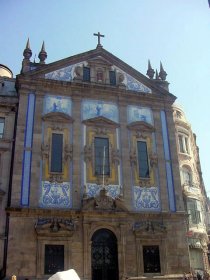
[(95, 182)]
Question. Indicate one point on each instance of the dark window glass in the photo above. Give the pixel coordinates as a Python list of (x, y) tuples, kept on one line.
[(102, 156), (186, 145), (54, 258), (112, 77), (151, 258), (86, 74), (181, 146), (143, 159), (56, 152), (1, 127), (194, 211)]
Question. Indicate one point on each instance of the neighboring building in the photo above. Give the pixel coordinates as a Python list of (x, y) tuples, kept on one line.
[(194, 194), (95, 180), (8, 108)]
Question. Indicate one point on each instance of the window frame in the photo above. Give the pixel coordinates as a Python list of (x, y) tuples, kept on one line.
[(159, 259), (112, 78), (45, 257), (2, 121), (51, 153), (183, 143), (186, 172), (194, 210), (86, 73), (139, 160), (107, 158)]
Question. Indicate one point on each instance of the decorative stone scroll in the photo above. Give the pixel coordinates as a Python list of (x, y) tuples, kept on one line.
[(102, 201), (149, 227), (58, 226)]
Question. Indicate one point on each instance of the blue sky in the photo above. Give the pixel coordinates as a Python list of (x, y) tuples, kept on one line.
[(176, 32)]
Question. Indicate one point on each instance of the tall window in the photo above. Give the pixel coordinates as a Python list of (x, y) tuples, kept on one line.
[(86, 74), (151, 259), (143, 163), (102, 156), (194, 210), (2, 120), (112, 78), (56, 153), (54, 258), (183, 143)]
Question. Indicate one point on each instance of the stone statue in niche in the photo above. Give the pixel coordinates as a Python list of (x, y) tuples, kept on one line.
[(121, 79), (99, 76), (78, 73)]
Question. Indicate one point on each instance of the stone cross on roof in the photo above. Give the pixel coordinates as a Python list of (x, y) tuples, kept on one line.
[(99, 35)]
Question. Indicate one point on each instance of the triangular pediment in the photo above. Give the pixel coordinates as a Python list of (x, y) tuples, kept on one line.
[(57, 117), (70, 70), (101, 121), (141, 125)]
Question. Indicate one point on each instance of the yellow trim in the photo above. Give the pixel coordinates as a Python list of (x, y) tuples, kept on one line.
[(46, 163), (148, 140)]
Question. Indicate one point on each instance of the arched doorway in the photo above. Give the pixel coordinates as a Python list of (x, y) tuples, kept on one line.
[(104, 256)]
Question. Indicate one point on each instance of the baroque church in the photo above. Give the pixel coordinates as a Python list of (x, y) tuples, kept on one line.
[(100, 172)]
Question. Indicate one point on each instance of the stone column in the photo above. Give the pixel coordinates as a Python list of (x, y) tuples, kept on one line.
[(161, 161), (77, 136), (86, 252), (124, 147)]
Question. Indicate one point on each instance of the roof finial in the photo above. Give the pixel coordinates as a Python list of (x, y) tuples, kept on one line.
[(28, 44), (42, 54), (27, 53), (99, 35), (150, 71), (162, 73), (156, 75)]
